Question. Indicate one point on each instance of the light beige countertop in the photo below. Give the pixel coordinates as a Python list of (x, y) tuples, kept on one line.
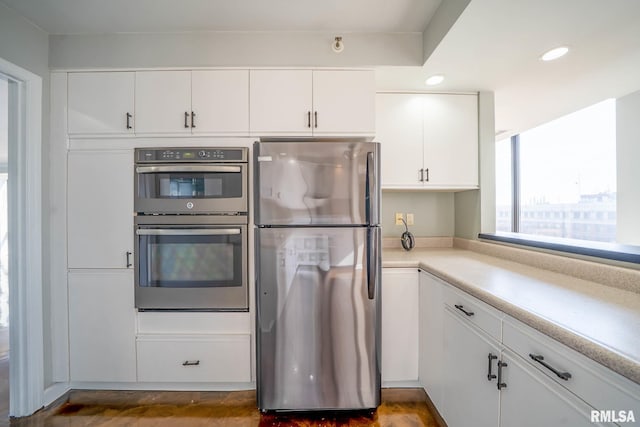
[(602, 322)]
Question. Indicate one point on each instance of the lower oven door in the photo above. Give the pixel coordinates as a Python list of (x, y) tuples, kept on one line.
[(200, 267)]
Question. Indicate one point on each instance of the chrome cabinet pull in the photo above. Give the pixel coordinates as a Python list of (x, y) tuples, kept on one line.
[(491, 376), (461, 308), (540, 359), (315, 119), (129, 259), (421, 175), (501, 365), (128, 120), (186, 118), (191, 363), (309, 119), (193, 119), (427, 172)]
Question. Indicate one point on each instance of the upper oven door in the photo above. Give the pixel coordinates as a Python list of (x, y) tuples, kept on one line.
[(190, 188)]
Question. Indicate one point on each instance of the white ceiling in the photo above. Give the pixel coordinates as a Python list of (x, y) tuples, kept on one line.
[(149, 16), (494, 45)]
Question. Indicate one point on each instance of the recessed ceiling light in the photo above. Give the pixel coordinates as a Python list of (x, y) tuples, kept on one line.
[(555, 53), (434, 80)]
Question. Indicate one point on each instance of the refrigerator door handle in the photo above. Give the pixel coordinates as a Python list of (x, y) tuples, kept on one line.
[(370, 195), (373, 256)]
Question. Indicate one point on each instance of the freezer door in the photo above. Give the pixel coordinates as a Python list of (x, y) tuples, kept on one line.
[(318, 319), (303, 183)]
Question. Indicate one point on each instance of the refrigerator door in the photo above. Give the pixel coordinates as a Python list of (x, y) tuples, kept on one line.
[(318, 318), (309, 183)]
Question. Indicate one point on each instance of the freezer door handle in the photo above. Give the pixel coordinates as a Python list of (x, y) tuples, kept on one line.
[(370, 195), (373, 255)]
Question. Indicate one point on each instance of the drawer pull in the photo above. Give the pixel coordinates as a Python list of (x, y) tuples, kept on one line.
[(539, 358), (191, 363), (501, 365), (491, 376), (461, 308)]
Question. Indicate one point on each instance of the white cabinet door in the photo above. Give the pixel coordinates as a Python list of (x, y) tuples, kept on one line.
[(532, 399), (451, 140), (162, 100), (102, 326), (431, 341), (399, 324), (220, 101), (281, 102), (101, 103), (100, 209), (399, 131), (344, 102), (469, 398)]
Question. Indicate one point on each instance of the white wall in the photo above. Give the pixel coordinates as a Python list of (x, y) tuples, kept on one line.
[(27, 46), (628, 168), (433, 213), (233, 49)]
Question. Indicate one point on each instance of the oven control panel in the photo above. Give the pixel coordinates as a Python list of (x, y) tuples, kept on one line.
[(189, 155)]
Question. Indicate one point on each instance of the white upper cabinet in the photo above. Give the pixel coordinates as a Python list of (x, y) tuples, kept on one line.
[(434, 137), (163, 102), (344, 102), (399, 131), (220, 101), (281, 102), (100, 209), (312, 102), (451, 140), (101, 103)]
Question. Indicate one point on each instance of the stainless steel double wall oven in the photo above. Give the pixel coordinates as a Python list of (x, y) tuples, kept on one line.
[(191, 229)]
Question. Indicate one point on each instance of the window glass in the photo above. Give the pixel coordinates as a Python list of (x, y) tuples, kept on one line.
[(568, 176), (503, 185)]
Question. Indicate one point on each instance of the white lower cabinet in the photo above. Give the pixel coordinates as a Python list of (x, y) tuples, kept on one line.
[(399, 324), (482, 347), (102, 326), (468, 396), (194, 358)]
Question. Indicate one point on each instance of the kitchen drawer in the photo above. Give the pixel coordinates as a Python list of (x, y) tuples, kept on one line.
[(194, 358), (595, 384), (478, 313)]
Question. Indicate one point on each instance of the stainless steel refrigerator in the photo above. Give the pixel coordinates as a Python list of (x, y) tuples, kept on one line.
[(317, 215)]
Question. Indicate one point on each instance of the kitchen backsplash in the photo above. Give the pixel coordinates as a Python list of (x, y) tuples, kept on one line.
[(433, 213)]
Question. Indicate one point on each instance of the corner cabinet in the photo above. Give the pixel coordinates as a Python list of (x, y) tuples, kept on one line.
[(433, 136), (399, 325), (312, 102)]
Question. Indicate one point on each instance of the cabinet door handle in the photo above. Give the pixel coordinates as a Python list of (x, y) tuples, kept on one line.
[(491, 376), (191, 363), (186, 119), (501, 365), (309, 119), (421, 175), (540, 359), (193, 119), (128, 120), (129, 259), (461, 308), (427, 172), (315, 119)]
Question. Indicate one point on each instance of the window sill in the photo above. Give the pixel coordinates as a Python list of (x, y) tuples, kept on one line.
[(611, 251)]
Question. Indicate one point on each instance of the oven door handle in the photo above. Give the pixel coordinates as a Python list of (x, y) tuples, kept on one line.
[(194, 168), (187, 232)]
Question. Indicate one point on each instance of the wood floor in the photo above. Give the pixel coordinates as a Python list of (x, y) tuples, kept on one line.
[(400, 407)]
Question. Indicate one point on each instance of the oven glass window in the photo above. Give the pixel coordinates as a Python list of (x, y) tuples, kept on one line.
[(190, 261), (176, 185)]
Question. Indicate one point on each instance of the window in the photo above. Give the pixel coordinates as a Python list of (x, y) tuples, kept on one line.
[(566, 180)]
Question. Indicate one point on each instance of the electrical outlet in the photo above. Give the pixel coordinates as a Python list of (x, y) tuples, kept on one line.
[(409, 219), (399, 218)]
